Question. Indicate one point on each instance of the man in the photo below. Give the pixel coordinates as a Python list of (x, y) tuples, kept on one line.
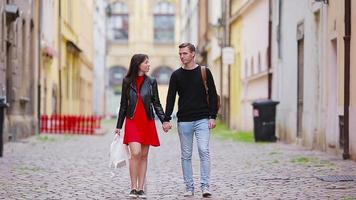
[(195, 115)]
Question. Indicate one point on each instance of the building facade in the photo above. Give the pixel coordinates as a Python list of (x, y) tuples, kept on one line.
[(352, 109), (149, 27), (211, 38), (236, 41), (76, 57), (189, 15), (99, 76), (49, 70), (19, 66), (298, 58), (309, 66)]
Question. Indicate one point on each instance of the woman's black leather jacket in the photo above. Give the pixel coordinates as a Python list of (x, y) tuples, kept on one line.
[(129, 97)]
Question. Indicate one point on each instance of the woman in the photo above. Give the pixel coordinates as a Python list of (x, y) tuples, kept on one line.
[(139, 97)]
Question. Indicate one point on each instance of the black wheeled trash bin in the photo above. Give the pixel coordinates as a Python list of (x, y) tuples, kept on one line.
[(3, 105), (264, 120)]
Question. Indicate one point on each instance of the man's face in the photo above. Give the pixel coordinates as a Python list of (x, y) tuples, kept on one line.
[(185, 55)]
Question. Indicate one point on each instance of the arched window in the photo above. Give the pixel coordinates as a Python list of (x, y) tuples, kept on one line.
[(118, 22), (116, 75), (162, 74), (164, 22)]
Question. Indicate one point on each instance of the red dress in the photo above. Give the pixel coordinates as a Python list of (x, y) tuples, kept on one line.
[(141, 128)]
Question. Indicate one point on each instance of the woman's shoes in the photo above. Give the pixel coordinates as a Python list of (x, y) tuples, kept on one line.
[(141, 194), (133, 193)]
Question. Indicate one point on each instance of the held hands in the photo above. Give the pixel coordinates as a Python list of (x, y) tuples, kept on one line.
[(166, 126)]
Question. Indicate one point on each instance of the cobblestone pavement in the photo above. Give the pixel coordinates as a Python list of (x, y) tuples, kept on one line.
[(76, 167)]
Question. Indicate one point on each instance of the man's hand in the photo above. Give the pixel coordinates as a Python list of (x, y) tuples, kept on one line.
[(212, 123), (166, 126)]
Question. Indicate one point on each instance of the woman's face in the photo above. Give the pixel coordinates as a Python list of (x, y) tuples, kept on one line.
[(144, 66)]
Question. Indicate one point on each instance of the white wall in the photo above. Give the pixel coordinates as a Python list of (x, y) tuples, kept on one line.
[(255, 42), (189, 23), (99, 57), (49, 28), (286, 69)]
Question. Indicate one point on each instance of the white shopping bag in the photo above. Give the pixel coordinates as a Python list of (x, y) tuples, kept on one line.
[(119, 153)]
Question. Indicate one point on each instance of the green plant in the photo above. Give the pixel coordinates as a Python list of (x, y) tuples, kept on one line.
[(312, 162), (45, 138), (223, 132)]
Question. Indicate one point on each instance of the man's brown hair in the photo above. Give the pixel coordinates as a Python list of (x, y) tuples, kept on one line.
[(190, 46)]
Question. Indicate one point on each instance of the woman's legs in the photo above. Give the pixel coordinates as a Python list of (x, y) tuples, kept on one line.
[(143, 166), (138, 164), (135, 150)]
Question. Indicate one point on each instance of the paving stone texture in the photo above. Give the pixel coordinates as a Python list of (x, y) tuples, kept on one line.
[(58, 166)]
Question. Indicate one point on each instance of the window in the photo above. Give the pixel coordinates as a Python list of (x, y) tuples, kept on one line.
[(252, 67), (118, 22), (259, 63), (164, 22), (162, 74)]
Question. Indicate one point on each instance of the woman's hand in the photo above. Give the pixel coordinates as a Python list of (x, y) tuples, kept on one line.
[(117, 133)]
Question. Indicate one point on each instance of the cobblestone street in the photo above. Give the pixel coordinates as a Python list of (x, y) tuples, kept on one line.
[(76, 167)]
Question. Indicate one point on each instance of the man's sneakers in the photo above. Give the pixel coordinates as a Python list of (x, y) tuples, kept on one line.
[(188, 193), (141, 194), (133, 193), (206, 193)]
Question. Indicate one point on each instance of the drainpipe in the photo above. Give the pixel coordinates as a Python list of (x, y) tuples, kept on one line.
[(347, 39), (39, 64), (222, 25), (269, 49), (59, 57)]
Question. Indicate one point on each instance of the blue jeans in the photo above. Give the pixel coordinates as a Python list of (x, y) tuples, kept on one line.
[(186, 131)]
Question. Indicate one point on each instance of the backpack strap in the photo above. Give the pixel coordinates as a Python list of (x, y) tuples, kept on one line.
[(204, 76)]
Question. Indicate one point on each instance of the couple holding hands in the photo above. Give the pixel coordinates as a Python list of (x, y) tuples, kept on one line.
[(197, 110)]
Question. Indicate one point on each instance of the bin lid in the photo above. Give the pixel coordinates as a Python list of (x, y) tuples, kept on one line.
[(264, 102), (3, 103)]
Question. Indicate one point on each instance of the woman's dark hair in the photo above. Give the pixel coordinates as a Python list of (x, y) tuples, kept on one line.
[(135, 62)]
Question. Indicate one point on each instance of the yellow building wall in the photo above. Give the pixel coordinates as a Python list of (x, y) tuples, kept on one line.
[(76, 63), (49, 85), (235, 75), (49, 77)]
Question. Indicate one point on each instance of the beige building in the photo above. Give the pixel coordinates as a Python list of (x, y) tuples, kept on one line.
[(248, 76), (141, 26), (211, 40), (19, 65)]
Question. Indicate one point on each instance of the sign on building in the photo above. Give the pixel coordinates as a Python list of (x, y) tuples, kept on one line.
[(228, 55)]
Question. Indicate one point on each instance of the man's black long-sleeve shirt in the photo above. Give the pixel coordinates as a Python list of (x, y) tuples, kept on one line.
[(192, 101)]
